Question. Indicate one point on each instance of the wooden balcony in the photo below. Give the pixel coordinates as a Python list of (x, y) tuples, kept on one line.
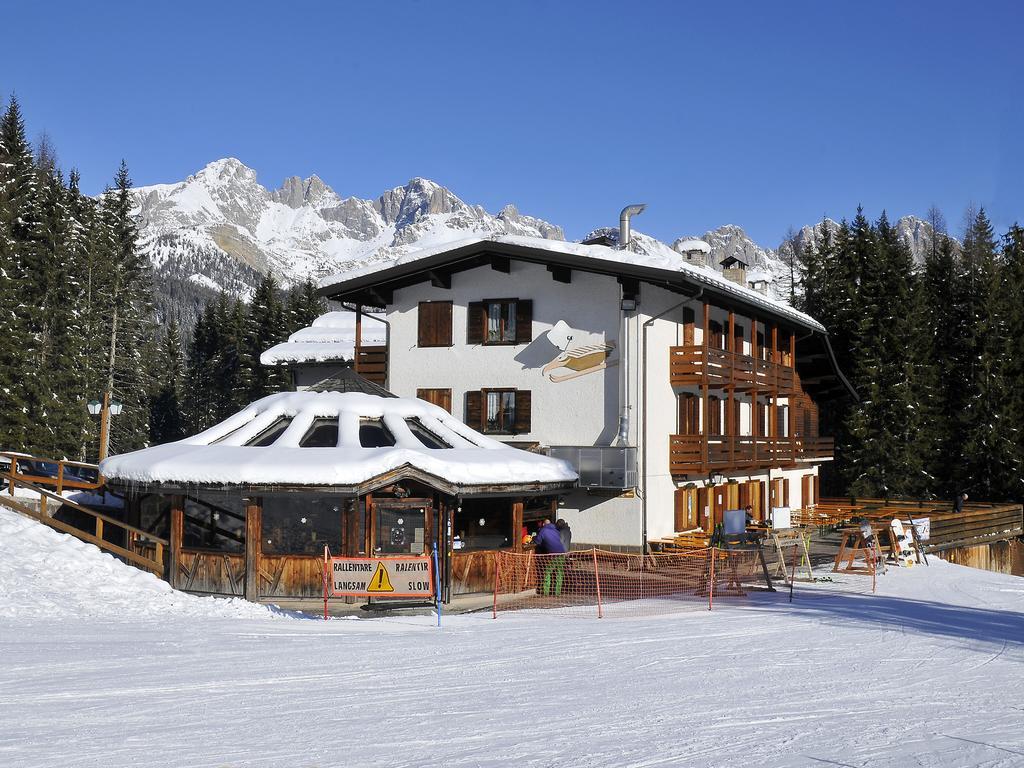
[(372, 364), (719, 369), (700, 454)]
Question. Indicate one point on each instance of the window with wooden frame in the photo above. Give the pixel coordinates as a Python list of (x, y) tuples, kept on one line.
[(499, 411), (500, 321), (435, 324), (439, 397)]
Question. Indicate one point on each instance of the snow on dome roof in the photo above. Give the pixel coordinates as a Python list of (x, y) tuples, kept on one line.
[(264, 445), (331, 337)]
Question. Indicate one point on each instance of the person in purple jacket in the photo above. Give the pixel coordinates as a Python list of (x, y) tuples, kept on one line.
[(549, 543)]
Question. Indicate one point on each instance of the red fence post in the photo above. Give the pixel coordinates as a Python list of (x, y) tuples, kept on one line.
[(497, 571), (597, 582), (326, 563), (711, 580)]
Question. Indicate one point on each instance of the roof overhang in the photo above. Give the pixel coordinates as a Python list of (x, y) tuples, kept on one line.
[(405, 472), (376, 289)]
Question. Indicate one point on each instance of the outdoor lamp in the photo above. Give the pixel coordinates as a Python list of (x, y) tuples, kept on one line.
[(716, 478), (95, 406), (115, 407)]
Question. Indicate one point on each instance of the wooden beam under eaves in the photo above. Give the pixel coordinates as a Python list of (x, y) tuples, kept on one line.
[(560, 274), (501, 263), (440, 279), (381, 296), (630, 287)]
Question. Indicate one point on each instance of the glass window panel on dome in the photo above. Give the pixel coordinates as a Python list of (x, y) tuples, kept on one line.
[(373, 434), (425, 436), (301, 523), (323, 433), (270, 434), (155, 514), (215, 521)]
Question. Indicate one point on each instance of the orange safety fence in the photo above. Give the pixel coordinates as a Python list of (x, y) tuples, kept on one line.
[(597, 583)]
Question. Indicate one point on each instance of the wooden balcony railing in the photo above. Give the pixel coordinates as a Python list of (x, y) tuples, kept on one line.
[(372, 364), (700, 454), (690, 365)]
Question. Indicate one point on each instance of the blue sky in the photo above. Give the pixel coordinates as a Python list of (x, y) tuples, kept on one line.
[(761, 114)]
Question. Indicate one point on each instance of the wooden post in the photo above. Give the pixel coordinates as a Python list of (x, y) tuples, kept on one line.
[(359, 334), (104, 427), (705, 392), (517, 525), (177, 533), (253, 547)]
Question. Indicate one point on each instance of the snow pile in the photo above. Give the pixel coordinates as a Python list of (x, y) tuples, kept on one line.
[(331, 337), (221, 454), (47, 574)]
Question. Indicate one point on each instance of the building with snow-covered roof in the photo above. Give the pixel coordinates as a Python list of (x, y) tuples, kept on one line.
[(329, 345), (676, 392), (249, 504)]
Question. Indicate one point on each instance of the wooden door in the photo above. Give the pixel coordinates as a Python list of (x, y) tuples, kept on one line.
[(806, 491)]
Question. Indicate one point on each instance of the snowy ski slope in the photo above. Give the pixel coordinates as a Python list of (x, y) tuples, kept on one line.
[(104, 667)]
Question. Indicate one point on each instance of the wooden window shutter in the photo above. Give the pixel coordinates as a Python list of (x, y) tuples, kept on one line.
[(475, 409), (524, 321), (682, 512), (476, 322), (439, 397), (688, 326), (523, 407), (426, 328), (435, 324)]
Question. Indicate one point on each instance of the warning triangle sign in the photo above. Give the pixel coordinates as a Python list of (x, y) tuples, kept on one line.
[(380, 582)]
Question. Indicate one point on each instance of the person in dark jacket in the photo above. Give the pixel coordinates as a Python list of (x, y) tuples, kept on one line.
[(564, 533), (958, 505), (549, 543)]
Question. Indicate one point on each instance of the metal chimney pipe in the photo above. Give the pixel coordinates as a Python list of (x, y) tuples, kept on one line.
[(627, 212)]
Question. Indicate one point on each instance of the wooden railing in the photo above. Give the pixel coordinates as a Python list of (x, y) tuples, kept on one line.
[(372, 364), (700, 454), (696, 365), (58, 474), (978, 523), (135, 538)]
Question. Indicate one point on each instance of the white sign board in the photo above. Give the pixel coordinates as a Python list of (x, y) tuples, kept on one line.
[(781, 518), (381, 576), (923, 526)]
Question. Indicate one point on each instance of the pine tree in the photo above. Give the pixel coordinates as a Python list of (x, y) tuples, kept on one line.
[(127, 293), (989, 450), (1011, 290), (56, 403), (305, 304), (265, 327), (17, 216), (167, 421)]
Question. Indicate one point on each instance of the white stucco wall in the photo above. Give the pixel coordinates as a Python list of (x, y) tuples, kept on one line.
[(582, 411)]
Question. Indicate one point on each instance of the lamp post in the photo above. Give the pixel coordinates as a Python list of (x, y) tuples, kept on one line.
[(105, 410)]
